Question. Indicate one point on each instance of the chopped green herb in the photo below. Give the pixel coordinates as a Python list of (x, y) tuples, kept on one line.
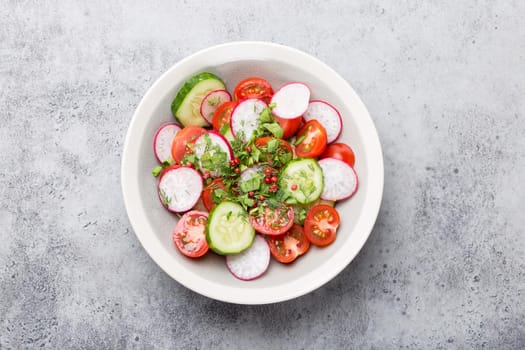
[(252, 184), (275, 129), (224, 129), (265, 116), (299, 140), (165, 199), (156, 171), (272, 145)]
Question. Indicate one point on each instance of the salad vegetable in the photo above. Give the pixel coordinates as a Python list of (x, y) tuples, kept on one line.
[(253, 174)]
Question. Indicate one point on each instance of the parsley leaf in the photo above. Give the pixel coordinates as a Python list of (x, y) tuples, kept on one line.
[(275, 129), (252, 184), (158, 169)]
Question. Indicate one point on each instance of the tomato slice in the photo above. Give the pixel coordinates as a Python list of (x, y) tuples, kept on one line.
[(189, 236), (253, 88), (321, 224), (283, 149), (222, 115), (340, 151), (207, 193), (313, 141), (290, 126), (287, 247), (272, 221), (184, 137)]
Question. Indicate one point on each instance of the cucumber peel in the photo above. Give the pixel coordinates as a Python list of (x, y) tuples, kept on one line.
[(186, 105)]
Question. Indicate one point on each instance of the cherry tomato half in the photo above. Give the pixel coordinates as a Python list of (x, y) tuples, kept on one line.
[(313, 142), (189, 236), (207, 193), (253, 88), (321, 224), (290, 126), (222, 115), (287, 247), (184, 137), (272, 221), (340, 151)]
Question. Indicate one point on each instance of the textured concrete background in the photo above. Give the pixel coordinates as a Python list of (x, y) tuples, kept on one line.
[(444, 267)]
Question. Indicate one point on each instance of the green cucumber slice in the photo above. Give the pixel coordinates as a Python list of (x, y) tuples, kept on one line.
[(228, 229), (186, 105), (302, 180)]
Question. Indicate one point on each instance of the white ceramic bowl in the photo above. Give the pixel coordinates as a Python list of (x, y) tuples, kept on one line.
[(153, 224)]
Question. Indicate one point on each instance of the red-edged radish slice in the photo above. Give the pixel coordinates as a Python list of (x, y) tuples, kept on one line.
[(251, 263), (163, 141), (211, 101), (180, 188), (212, 139), (328, 116), (340, 179), (291, 100), (245, 117)]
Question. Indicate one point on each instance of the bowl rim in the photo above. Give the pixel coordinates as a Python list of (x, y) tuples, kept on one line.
[(251, 296)]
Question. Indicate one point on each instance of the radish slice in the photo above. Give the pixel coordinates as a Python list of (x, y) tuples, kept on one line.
[(245, 117), (328, 116), (180, 189), (211, 101), (215, 139), (340, 179), (291, 100), (163, 140), (251, 263)]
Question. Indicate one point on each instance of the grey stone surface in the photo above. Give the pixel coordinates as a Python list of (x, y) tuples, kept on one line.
[(444, 267)]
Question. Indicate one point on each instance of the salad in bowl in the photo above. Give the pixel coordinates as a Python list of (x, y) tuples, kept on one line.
[(253, 173), (268, 169)]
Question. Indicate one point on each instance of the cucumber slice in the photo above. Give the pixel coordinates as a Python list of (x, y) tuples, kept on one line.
[(302, 179), (228, 230), (186, 105)]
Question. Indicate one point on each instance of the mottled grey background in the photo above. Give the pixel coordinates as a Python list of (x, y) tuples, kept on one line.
[(444, 267)]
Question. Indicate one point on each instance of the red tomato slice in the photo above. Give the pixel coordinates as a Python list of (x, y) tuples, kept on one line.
[(321, 224), (287, 247), (340, 151), (189, 236), (283, 147), (207, 194), (290, 126), (272, 221), (223, 115), (184, 137), (253, 88), (313, 142)]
